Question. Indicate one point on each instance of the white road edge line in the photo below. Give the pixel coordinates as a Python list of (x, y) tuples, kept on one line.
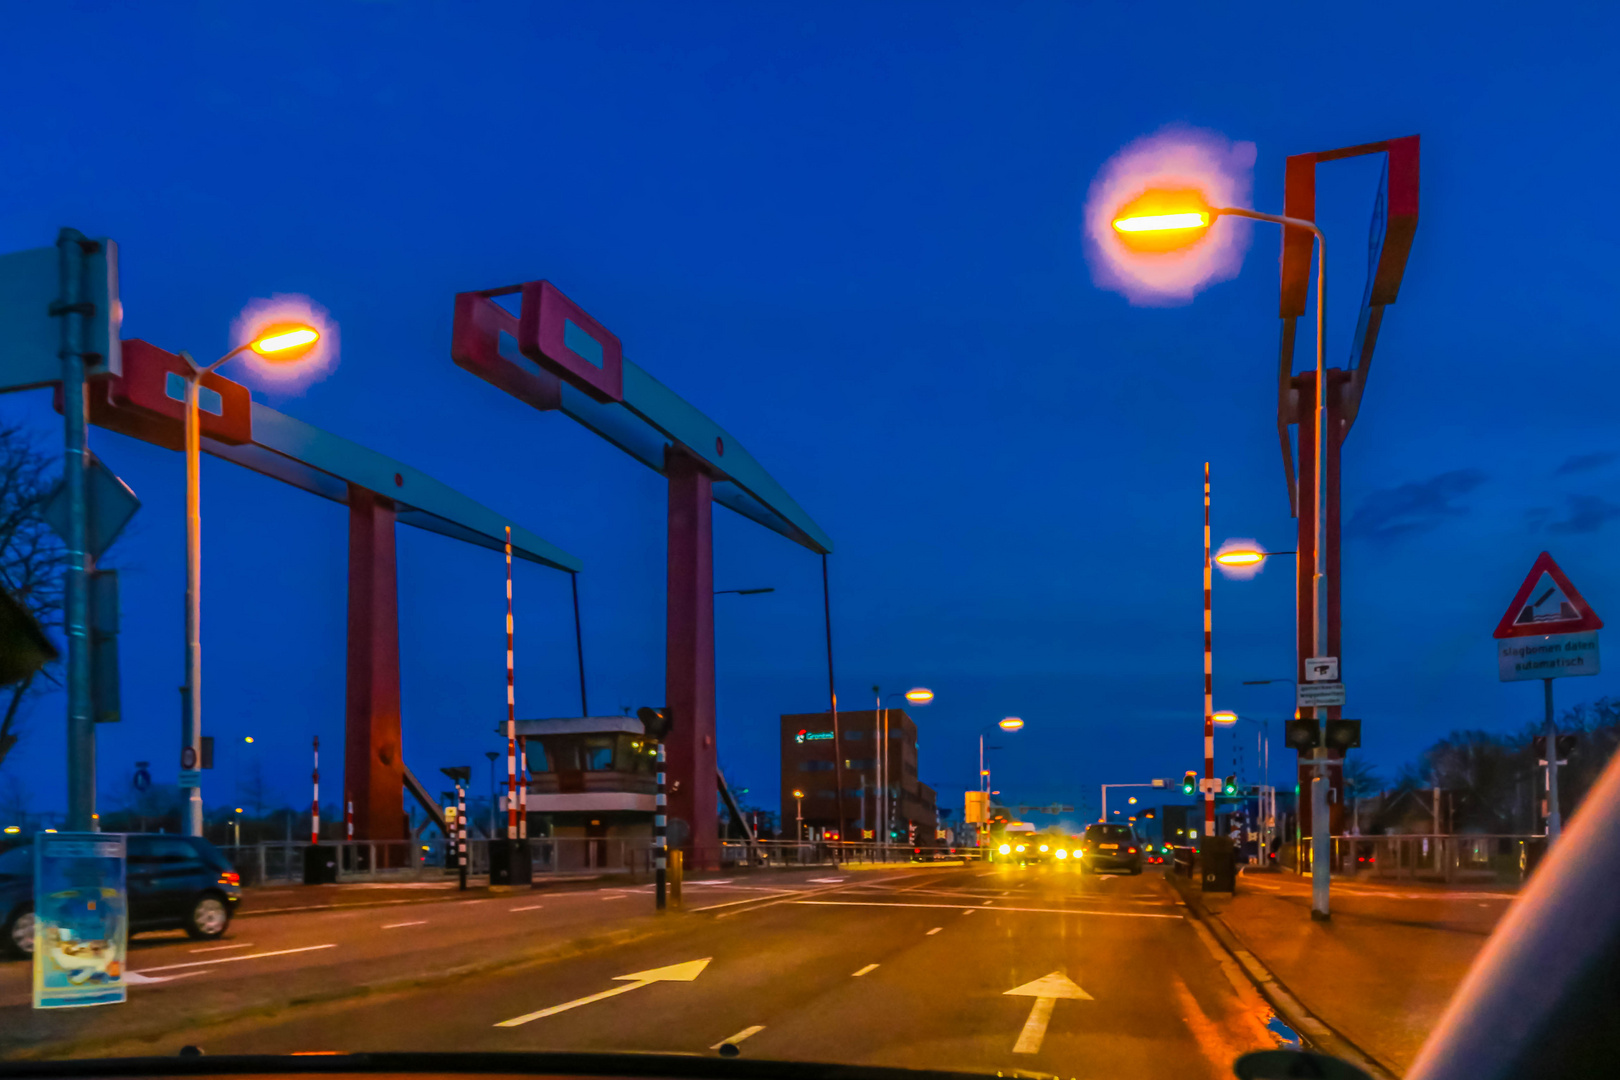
[(397, 925), (969, 911), (864, 970), (934, 931), (222, 948), (740, 1036), (531, 907), (234, 959)]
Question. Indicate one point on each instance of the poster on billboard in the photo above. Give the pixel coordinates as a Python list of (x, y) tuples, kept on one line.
[(81, 920)]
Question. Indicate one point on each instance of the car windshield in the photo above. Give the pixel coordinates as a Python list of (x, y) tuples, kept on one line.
[(554, 396)]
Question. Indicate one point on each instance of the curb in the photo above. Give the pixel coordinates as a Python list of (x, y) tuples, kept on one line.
[(1313, 1029)]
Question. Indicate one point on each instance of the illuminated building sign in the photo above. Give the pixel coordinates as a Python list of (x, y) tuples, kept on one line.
[(805, 735)]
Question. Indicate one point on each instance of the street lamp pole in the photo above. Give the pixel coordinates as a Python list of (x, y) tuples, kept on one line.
[(284, 343), (1191, 225)]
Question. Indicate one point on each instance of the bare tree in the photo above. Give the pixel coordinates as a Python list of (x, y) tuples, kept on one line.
[(32, 558)]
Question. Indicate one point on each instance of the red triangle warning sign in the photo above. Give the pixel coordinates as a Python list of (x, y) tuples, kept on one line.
[(1547, 604)]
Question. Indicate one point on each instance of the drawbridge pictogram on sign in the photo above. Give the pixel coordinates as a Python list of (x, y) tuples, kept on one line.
[(1547, 604)]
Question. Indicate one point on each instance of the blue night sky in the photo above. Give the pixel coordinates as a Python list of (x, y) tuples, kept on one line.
[(850, 234)]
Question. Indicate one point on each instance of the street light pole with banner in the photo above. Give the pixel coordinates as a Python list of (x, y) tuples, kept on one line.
[(1549, 631)]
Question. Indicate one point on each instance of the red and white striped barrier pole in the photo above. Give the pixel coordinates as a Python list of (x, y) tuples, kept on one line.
[(511, 707), (315, 803), (1209, 676), (523, 788), (348, 817)]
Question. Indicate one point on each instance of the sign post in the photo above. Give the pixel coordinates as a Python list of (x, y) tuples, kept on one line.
[(1548, 632), (81, 920)]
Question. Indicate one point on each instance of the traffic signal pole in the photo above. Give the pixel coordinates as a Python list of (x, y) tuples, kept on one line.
[(81, 725)]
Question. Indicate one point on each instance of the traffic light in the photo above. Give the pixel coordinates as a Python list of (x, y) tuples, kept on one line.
[(656, 722), (1229, 786), (1344, 734), (1566, 743), (1189, 783), (1303, 735)]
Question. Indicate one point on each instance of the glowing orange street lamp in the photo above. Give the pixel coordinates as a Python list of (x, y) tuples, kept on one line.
[(1226, 718), (280, 343), (920, 695), (1011, 723), (1242, 557)]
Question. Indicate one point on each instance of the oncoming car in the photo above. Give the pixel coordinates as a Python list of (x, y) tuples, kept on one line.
[(1110, 847)]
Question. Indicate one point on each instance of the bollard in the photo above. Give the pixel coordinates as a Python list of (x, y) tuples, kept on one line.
[(675, 861)]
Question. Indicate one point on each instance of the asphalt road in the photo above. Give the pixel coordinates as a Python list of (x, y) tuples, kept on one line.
[(899, 966)]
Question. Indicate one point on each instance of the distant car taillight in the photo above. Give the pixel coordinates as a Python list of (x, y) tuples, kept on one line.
[(1130, 851), (229, 877)]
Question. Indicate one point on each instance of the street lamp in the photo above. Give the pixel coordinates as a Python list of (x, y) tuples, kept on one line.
[(917, 695), (1164, 220), (1242, 557), (278, 343), (799, 796), (1010, 723)]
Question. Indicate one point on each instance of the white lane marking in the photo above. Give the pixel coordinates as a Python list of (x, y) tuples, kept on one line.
[(740, 1036), (234, 959), (531, 907), (397, 925), (864, 970), (222, 948), (686, 972), (135, 977), (819, 881), (744, 900), (987, 903), (934, 931), (969, 911)]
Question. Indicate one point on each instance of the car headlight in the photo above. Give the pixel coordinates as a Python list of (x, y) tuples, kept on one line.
[(1006, 849), (1020, 847), (1060, 853), (1043, 847)]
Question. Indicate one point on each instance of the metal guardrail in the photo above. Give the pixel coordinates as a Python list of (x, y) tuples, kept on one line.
[(281, 862), (1431, 857), (275, 862)]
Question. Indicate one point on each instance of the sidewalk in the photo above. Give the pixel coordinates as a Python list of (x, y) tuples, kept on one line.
[(1381, 971)]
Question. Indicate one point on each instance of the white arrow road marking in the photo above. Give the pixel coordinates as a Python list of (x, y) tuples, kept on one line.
[(864, 970), (673, 973), (1046, 991), (740, 1036)]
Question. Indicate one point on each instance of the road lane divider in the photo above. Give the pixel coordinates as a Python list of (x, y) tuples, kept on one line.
[(999, 910), (934, 931), (397, 925), (235, 959), (739, 1037), (222, 948), (686, 972), (1047, 991), (864, 970), (530, 907)]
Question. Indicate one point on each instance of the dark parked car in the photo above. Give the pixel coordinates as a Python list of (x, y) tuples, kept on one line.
[(175, 882), (1111, 847)]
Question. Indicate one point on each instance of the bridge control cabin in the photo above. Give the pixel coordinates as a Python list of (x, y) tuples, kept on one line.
[(592, 784)]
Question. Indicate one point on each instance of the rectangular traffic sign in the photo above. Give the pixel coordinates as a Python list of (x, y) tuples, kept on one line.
[(1322, 669), (190, 778), (1550, 657), (31, 337), (1321, 695)]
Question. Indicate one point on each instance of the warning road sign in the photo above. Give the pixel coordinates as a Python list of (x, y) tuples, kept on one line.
[(1547, 604)]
